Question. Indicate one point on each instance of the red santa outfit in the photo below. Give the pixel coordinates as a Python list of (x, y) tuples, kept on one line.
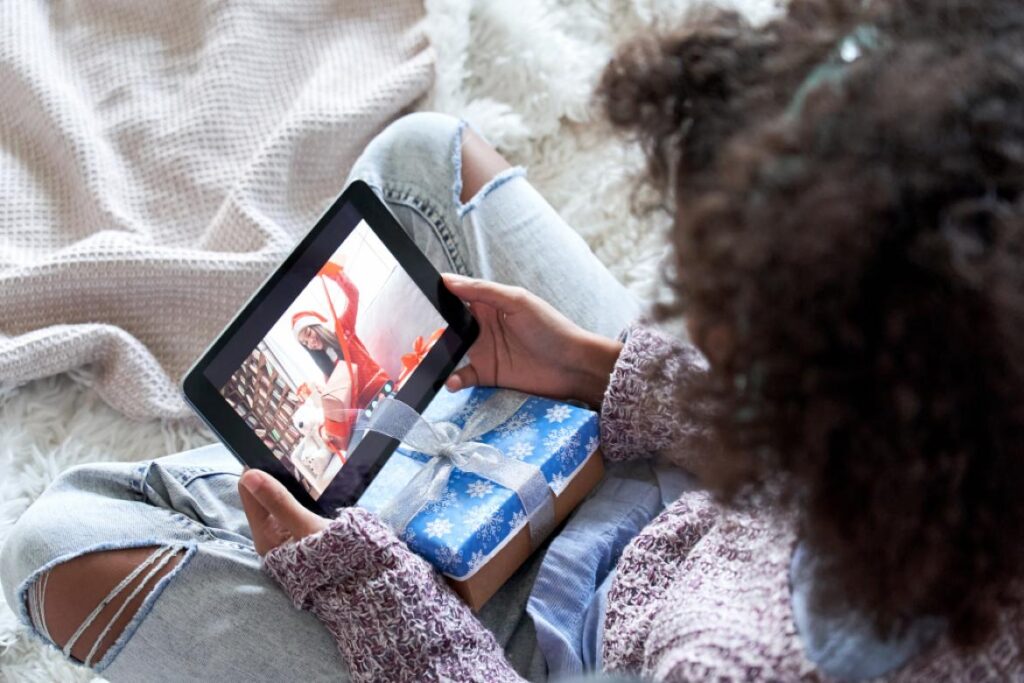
[(364, 376)]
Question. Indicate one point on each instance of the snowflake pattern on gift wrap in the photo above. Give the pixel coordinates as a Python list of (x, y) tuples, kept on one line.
[(558, 482), (518, 519), (448, 559), (564, 442), (592, 444), (522, 424), (467, 409), (486, 525), (480, 489), (558, 413), (520, 450), (447, 499), (439, 527), (408, 536), (476, 560), (558, 439)]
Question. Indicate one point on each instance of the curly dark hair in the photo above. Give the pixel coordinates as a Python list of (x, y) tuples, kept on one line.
[(848, 191)]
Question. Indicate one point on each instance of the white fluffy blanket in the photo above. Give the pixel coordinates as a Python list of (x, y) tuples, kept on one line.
[(522, 72)]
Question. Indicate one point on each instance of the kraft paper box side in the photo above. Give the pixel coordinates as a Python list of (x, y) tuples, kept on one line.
[(481, 586)]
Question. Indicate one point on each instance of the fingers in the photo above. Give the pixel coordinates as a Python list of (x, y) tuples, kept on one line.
[(273, 505), (502, 297), (463, 377), (265, 535)]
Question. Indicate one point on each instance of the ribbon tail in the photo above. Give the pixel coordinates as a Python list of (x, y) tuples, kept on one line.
[(431, 481), (542, 522)]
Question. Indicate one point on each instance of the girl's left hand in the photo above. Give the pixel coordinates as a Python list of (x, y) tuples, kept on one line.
[(275, 517), (526, 344)]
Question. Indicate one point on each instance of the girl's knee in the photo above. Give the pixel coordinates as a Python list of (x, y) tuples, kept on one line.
[(409, 146), (481, 164), (77, 570), (85, 604), (423, 133), (432, 155), (56, 523), (416, 131), (433, 151)]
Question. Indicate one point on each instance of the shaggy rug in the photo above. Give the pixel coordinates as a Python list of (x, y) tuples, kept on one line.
[(523, 74)]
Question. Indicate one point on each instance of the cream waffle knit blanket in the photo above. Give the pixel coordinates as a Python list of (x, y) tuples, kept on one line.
[(158, 159)]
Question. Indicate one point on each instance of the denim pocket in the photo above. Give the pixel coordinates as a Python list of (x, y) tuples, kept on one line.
[(202, 487)]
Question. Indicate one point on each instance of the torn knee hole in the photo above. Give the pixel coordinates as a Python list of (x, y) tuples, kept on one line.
[(479, 165), (84, 605)]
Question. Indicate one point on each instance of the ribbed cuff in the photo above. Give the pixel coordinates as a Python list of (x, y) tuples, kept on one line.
[(640, 412), (355, 545)]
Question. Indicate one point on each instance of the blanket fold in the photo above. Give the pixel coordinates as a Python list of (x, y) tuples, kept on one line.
[(157, 163)]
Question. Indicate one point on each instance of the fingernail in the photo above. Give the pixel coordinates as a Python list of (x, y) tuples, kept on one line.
[(250, 481)]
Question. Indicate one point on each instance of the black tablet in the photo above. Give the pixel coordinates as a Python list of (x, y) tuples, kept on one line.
[(355, 314)]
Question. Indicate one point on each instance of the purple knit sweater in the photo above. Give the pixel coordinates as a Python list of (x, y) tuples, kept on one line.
[(700, 594)]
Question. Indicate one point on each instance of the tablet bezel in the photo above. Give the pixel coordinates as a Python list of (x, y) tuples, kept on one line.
[(426, 380)]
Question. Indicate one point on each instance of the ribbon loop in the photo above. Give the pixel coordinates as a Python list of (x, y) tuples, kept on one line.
[(450, 447)]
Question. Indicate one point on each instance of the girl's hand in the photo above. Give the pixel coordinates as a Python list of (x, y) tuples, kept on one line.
[(526, 344), (275, 517)]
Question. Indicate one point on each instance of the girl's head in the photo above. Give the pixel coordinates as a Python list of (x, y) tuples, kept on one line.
[(309, 338), (848, 190), (310, 329)]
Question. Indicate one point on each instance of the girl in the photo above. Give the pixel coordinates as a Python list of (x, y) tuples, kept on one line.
[(333, 341), (848, 191), (849, 201)]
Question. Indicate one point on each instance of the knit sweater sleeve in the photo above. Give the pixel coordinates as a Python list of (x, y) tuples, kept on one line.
[(391, 615), (641, 414)]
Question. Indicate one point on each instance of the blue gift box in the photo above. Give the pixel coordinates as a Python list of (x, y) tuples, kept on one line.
[(473, 520)]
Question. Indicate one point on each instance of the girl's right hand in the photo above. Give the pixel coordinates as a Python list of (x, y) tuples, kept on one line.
[(526, 344), (275, 517)]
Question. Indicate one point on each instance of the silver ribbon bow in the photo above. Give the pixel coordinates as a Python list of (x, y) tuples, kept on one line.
[(450, 448)]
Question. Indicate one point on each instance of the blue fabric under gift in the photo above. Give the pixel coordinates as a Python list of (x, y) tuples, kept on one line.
[(469, 524), (567, 601)]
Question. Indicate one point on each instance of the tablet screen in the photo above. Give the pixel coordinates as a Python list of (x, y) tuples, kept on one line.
[(353, 335), (354, 314)]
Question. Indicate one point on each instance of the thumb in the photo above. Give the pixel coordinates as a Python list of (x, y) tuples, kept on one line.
[(465, 376), (273, 497)]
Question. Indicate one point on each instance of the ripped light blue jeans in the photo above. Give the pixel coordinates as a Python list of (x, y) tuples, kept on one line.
[(216, 616)]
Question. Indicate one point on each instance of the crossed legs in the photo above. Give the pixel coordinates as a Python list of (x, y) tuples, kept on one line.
[(83, 605)]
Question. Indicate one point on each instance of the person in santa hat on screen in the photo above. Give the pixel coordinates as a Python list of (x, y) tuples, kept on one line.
[(332, 342)]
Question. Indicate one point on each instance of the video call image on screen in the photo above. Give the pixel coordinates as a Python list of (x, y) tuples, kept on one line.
[(353, 336)]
